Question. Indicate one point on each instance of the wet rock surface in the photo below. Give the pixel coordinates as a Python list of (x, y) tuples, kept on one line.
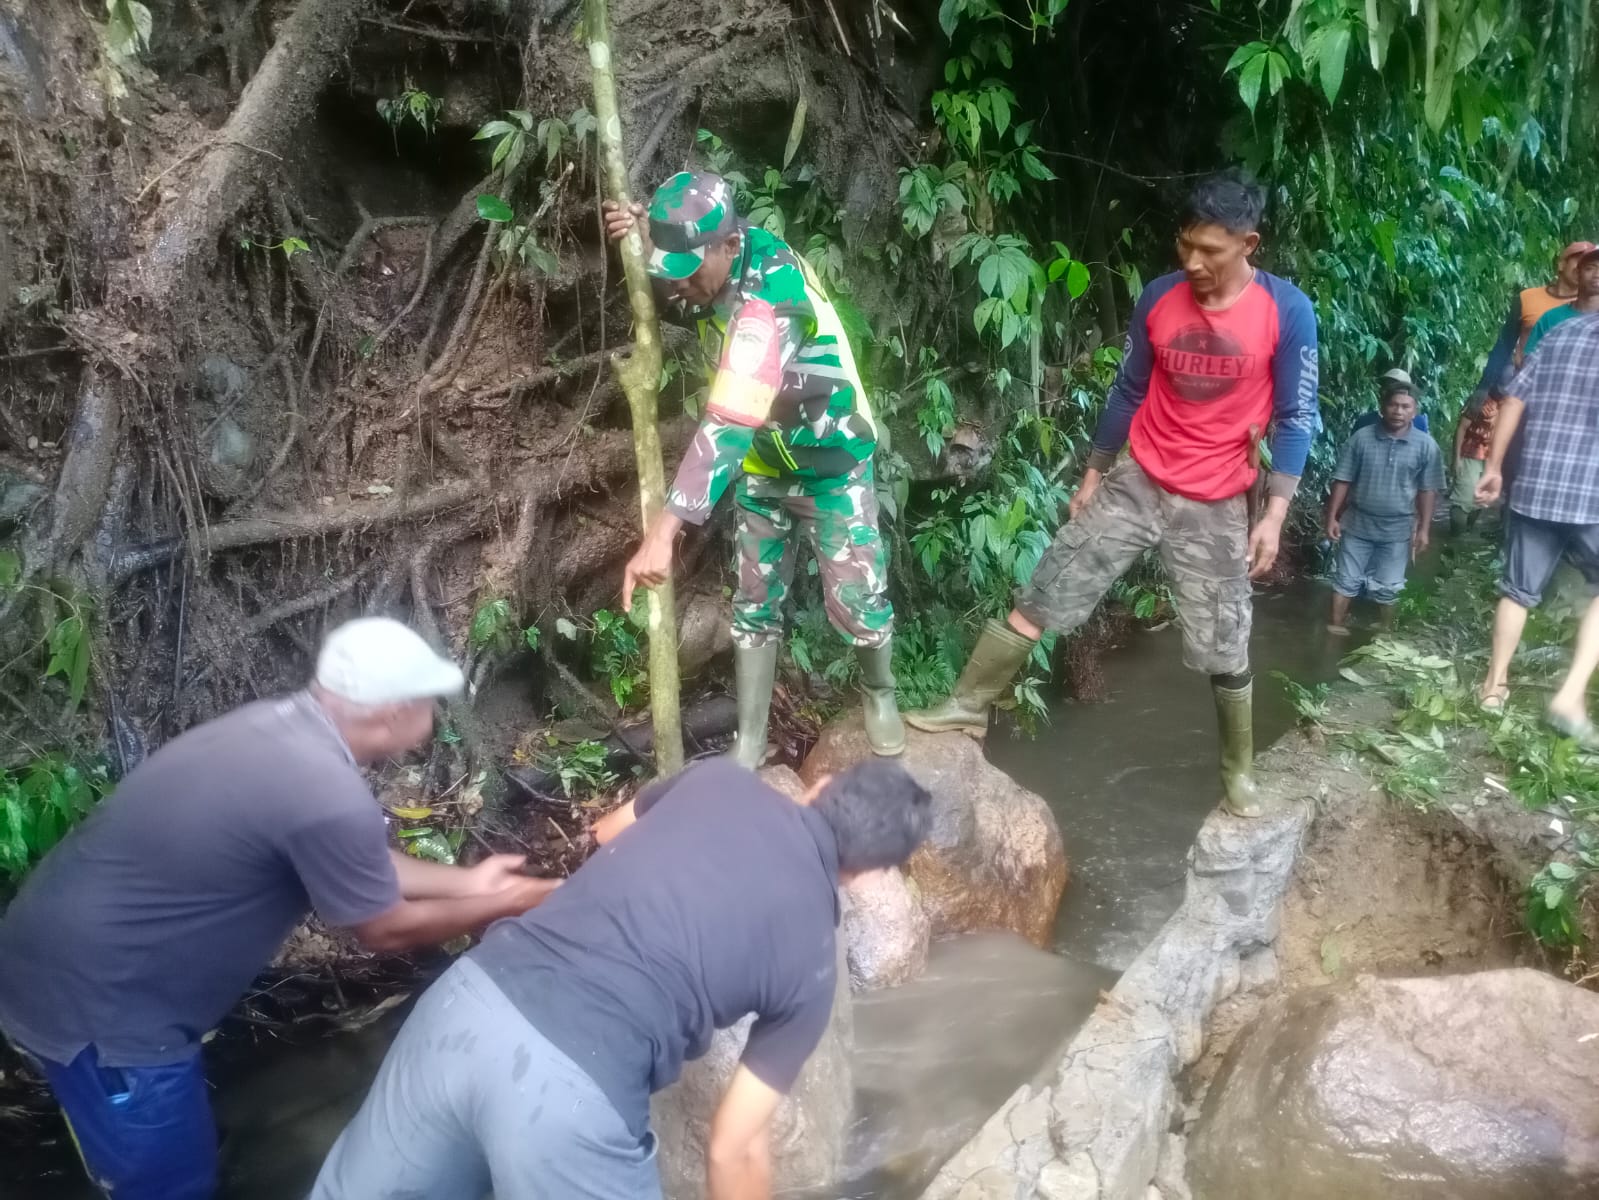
[(808, 1133), (1474, 1087), (995, 859), (1097, 1129), (886, 930)]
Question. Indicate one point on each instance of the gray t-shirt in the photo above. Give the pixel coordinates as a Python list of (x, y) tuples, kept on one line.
[(147, 923), (1384, 472), (721, 901)]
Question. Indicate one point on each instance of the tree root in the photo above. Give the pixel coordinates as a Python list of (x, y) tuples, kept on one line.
[(309, 48), (265, 620)]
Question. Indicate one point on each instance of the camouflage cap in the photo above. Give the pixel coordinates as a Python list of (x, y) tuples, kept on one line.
[(690, 211)]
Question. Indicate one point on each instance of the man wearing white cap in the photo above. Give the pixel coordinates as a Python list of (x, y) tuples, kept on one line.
[(137, 933)]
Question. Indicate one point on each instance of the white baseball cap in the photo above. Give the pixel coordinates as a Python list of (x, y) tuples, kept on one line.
[(377, 660)]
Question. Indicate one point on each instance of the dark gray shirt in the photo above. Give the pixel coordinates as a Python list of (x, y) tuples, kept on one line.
[(721, 901), (1384, 472), (140, 930)]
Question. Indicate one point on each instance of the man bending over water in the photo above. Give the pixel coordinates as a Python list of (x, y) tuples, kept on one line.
[(528, 1067)]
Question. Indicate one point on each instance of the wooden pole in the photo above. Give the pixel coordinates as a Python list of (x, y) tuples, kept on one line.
[(640, 375)]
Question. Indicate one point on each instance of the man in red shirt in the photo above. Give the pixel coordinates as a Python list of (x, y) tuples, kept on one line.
[(1216, 352)]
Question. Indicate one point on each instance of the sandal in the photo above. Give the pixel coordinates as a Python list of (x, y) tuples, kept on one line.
[(1494, 702), (1579, 729)]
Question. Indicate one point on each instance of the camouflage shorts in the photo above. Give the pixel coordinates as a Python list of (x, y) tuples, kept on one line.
[(1203, 545), (839, 517)]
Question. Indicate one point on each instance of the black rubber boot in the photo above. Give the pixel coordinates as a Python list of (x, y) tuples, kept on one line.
[(884, 728), (756, 672), (999, 653)]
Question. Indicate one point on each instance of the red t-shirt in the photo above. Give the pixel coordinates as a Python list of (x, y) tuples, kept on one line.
[(1195, 379)]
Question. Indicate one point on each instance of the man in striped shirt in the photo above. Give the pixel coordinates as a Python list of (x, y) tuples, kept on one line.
[(1552, 509)]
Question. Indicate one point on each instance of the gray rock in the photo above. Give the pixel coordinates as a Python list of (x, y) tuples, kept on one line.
[(994, 860), (886, 931), (1466, 1087), (1114, 1094), (1258, 970), (808, 1132)]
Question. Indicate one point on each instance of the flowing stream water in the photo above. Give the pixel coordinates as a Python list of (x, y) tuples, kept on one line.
[(1130, 780)]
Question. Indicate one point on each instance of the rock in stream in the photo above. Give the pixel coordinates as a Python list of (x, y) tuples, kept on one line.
[(1463, 1087)]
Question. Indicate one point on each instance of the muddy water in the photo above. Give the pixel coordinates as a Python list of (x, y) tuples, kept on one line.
[(1130, 781)]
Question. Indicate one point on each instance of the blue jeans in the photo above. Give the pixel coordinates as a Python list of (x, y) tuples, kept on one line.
[(1376, 567), (145, 1133)]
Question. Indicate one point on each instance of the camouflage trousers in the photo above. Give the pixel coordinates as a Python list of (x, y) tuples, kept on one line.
[(839, 518), (1204, 546)]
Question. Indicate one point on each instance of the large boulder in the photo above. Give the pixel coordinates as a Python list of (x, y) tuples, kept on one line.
[(886, 930), (1465, 1087), (808, 1133), (994, 860)]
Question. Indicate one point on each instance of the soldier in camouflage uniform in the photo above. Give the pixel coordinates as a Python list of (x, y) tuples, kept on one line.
[(788, 425)]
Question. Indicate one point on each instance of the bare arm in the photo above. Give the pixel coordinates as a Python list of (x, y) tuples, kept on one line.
[(1425, 503), (413, 923), (612, 823), (1335, 508), (738, 1159), (420, 880), (1460, 437), (1505, 426)]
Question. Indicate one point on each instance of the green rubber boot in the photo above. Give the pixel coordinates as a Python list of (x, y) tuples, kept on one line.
[(884, 729), (755, 669), (999, 652), (1234, 709)]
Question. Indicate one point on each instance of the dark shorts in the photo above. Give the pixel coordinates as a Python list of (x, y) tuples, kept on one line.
[(1203, 544), (145, 1133), (1533, 550)]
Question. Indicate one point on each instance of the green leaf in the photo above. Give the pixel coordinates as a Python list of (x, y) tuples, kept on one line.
[(531, 636), (948, 16), (1249, 81), (292, 246), (999, 110), (524, 118), (1076, 279), (128, 27), (489, 621), (1332, 58), (1553, 894), (494, 129), (1243, 55), (492, 208), (1562, 871)]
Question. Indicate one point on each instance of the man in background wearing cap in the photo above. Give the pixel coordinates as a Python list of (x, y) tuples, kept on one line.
[(135, 935), (1384, 489), (1587, 302), (1395, 380), (787, 418)]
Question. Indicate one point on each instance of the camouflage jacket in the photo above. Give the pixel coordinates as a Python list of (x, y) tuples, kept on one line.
[(820, 426)]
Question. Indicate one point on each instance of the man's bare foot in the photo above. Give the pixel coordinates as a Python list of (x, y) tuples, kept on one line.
[(1338, 630)]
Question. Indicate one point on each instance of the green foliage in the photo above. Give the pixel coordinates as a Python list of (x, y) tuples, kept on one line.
[(976, 548), (615, 652), (582, 769), (39, 804), (1552, 902), (290, 246), (515, 133), (1310, 703), (128, 27), (413, 106), (927, 192), (426, 842), (69, 644)]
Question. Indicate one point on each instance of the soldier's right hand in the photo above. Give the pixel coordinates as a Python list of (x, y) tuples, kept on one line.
[(619, 221)]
